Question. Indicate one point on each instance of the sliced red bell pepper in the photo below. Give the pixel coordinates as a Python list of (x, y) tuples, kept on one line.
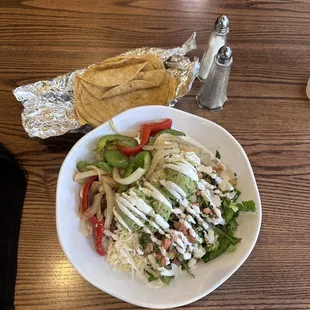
[(85, 192), (146, 131), (157, 127), (98, 226)]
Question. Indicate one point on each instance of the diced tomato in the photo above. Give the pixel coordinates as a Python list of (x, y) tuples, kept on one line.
[(191, 238), (181, 227), (166, 243), (159, 256)]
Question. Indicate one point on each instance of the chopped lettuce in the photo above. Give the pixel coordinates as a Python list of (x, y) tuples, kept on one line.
[(246, 206)]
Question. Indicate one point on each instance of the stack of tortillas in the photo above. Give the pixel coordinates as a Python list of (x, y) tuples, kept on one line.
[(121, 83)]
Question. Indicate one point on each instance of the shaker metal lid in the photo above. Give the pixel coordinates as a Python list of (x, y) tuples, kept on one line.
[(221, 25), (224, 55)]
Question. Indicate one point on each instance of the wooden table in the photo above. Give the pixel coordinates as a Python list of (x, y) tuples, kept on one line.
[(268, 112)]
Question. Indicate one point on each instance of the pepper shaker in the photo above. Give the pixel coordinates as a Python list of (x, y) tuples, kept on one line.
[(212, 95), (217, 39)]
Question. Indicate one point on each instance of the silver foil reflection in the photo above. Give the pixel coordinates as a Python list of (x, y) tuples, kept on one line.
[(49, 105)]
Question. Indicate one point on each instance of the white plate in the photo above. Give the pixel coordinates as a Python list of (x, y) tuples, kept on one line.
[(185, 289)]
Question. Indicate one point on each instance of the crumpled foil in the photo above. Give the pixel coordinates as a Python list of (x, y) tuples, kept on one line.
[(49, 105)]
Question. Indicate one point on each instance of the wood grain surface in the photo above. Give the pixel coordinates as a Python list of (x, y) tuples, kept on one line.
[(268, 112)]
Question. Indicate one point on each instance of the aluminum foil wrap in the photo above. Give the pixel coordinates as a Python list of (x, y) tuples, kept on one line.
[(49, 105)]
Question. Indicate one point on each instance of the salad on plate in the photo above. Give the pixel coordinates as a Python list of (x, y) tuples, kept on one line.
[(157, 202)]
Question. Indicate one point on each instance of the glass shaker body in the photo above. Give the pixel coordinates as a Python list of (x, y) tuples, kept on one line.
[(217, 39), (212, 95)]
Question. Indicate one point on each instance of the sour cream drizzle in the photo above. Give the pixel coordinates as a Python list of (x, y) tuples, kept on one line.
[(128, 213), (192, 158), (131, 205), (187, 163), (156, 194), (138, 202), (187, 219), (122, 202), (183, 168), (120, 220), (173, 189)]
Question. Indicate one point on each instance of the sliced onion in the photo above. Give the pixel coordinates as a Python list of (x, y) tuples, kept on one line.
[(155, 273), (160, 147), (94, 188), (108, 180), (233, 182), (86, 228), (188, 148), (188, 144), (165, 137), (195, 143), (99, 215), (86, 174), (94, 208), (185, 143), (110, 205), (88, 213), (97, 170), (131, 134), (81, 191), (159, 156), (105, 242), (130, 179)]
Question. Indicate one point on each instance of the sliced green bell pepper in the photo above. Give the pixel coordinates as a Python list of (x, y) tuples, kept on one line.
[(117, 140), (82, 165), (116, 159), (142, 160)]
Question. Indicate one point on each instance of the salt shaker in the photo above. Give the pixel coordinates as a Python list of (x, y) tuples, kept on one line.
[(212, 95), (217, 39)]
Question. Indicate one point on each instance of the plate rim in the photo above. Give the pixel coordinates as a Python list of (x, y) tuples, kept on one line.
[(168, 304)]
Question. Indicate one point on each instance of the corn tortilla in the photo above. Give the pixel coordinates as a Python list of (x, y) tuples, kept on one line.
[(121, 83)]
